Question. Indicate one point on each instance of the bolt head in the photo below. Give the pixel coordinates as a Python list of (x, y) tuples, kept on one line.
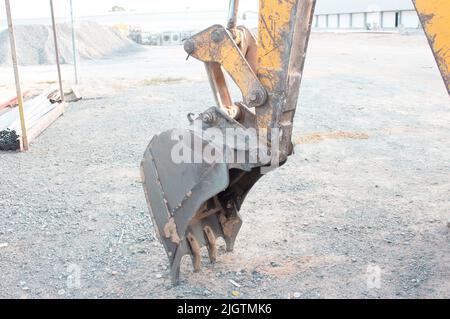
[(208, 117), (189, 46), (257, 97), (217, 36)]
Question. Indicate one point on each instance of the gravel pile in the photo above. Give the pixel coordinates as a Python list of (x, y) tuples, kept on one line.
[(35, 43)]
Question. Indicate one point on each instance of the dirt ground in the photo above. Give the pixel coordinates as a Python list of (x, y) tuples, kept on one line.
[(360, 211)]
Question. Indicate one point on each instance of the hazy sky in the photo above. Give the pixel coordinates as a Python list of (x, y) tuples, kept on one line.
[(40, 8)]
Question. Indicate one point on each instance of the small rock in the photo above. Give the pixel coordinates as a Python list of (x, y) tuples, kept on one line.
[(274, 264), (25, 288), (354, 260), (61, 292), (297, 295), (158, 276), (114, 273), (3, 245)]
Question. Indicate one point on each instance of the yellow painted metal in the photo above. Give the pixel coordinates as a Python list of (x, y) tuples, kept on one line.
[(435, 18), (284, 30), (216, 45), (275, 25)]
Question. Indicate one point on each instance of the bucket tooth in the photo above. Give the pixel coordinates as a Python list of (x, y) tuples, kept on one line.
[(230, 226), (211, 243), (196, 253), (175, 264)]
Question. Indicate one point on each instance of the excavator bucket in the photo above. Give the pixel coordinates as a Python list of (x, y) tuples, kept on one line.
[(195, 198)]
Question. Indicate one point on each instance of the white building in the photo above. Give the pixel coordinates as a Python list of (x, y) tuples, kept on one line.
[(366, 14)]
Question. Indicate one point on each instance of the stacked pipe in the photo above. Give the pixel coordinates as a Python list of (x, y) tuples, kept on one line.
[(35, 109)]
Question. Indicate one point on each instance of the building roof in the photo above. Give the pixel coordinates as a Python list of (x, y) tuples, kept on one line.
[(354, 6)]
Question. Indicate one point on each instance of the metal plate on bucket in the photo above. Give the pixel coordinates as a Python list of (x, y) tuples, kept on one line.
[(176, 190)]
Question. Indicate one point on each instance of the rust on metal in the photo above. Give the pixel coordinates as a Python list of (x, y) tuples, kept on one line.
[(284, 30), (435, 18), (212, 245), (193, 204), (196, 253), (170, 231), (230, 228), (215, 44)]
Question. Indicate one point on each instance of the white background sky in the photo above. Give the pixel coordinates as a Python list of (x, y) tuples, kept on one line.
[(40, 8)]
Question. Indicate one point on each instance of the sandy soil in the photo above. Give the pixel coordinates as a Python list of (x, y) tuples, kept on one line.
[(359, 211)]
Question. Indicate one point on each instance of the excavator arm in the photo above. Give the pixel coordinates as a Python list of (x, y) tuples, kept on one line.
[(196, 179), (435, 18)]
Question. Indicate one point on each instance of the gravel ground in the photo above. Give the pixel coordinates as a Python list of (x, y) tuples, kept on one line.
[(360, 211)]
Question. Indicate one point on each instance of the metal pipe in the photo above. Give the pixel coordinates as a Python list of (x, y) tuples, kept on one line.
[(16, 76), (233, 14), (74, 44), (55, 38)]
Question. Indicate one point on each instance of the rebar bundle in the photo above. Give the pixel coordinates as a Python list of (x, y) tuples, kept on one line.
[(9, 140)]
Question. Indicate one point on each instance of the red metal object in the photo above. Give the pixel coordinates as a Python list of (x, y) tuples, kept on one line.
[(8, 103), (11, 101)]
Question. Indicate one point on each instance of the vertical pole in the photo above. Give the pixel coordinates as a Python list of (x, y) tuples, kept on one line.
[(74, 44), (16, 76), (233, 14), (55, 38), (381, 20)]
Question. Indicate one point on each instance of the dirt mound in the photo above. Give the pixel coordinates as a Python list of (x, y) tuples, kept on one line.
[(35, 43)]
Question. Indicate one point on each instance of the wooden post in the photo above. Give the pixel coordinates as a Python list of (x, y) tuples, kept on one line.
[(74, 44), (16, 77), (55, 38)]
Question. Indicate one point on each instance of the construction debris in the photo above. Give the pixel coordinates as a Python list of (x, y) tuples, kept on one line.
[(12, 101), (234, 283), (73, 95), (9, 140), (40, 112)]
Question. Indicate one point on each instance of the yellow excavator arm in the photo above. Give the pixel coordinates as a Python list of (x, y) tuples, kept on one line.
[(435, 18), (196, 179)]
